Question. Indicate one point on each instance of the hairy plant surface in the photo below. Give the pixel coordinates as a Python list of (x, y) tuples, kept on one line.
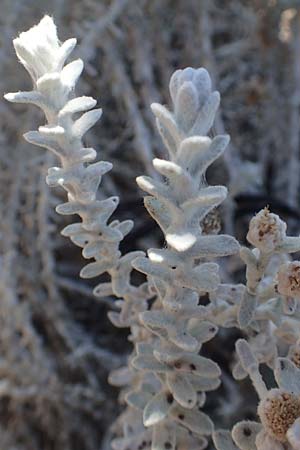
[(57, 345)]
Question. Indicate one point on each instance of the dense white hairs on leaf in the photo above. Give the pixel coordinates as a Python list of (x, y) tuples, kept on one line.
[(181, 273), (223, 440), (43, 56), (244, 434)]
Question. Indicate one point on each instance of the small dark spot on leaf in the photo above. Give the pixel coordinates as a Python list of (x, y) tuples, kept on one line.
[(170, 398), (247, 432)]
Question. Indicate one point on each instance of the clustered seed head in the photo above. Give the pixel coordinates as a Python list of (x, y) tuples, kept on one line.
[(211, 224), (277, 412), (289, 279), (266, 231)]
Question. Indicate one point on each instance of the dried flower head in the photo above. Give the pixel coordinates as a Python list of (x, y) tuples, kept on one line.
[(278, 412), (266, 231), (211, 224), (289, 279)]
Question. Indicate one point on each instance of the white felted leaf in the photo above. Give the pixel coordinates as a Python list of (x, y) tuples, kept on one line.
[(156, 409), (206, 116), (116, 319), (57, 176), (32, 97), (194, 420), (167, 139), (290, 244), (153, 187), (65, 50), (76, 105), (86, 121), (164, 436), (138, 400), (143, 348), (96, 268), (247, 310), (157, 255), (289, 305), (86, 155), (120, 377), (210, 196), (293, 435), (71, 72), (196, 364), (216, 149), (186, 105), (203, 330), (189, 151), (156, 319), (167, 120), (238, 372), (223, 441), (34, 137), (287, 375), (174, 84), (215, 246), (80, 239), (149, 363), (125, 227), (202, 383), (69, 208), (203, 278), (167, 168), (244, 434), (247, 358), (186, 309), (159, 212), (144, 265), (92, 249), (181, 239), (103, 290), (182, 390), (54, 92), (54, 132), (73, 228), (265, 442), (248, 257), (202, 82), (183, 339)]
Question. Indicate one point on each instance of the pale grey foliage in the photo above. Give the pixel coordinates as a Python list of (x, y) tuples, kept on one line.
[(41, 54), (53, 91), (166, 381), (183, 271)]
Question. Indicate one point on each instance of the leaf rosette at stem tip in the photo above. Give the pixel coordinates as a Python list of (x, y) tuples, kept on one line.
[(40, 51)]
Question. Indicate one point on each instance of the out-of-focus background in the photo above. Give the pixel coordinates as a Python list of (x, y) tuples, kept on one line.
[(56, 342)]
